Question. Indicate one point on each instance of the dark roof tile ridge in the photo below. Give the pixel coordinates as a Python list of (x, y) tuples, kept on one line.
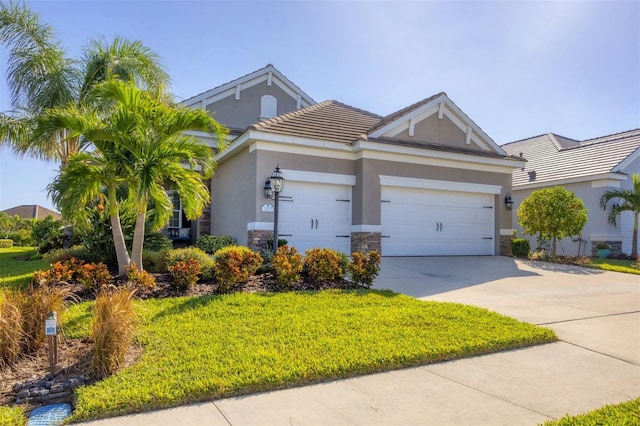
[(363, 111), (631, 132), (597, 142), (563, 137), (526, 139)]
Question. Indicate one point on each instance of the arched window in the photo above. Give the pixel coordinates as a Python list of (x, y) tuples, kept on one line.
[(268, 107)]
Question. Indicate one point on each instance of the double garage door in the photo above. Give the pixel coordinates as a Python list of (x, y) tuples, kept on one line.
[(414, 221), (428, 222)]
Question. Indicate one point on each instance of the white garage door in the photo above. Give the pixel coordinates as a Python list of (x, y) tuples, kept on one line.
[(427, 222), (315, 215)]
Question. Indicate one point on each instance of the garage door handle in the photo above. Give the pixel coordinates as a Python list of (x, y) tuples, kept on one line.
[(311, 223), (316, 223), (343, 236), (487, 238)]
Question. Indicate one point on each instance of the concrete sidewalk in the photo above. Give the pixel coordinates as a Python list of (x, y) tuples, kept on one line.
[(597, 362)]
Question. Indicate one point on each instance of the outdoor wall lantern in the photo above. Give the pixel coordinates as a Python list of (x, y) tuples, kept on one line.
[(275, 185), (508, 202), (268, 193)]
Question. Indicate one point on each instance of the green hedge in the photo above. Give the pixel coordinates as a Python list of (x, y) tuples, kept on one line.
[(6, 243), (520, 247)]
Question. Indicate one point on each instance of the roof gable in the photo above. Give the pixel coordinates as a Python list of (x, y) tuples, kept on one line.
[(234, 88), (403, 123), (31, 211)]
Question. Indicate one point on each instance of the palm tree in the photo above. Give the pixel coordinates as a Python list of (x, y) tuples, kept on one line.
[(628, 201), (40, 76), (161, 156)]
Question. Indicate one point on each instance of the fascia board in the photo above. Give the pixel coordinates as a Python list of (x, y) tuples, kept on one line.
[(443, 185), (365, 147), (397, 122), (474, 126), (581, 179)]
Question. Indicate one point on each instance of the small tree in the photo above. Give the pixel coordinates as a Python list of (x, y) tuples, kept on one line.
[(554, 213), (628, 200)]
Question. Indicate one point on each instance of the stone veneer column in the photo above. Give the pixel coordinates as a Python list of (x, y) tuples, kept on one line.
[(365, 242), (505, 245), (257, 240)]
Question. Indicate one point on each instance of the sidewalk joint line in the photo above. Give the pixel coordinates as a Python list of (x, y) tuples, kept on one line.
[(600, 353), (221, 413), (588, 318)]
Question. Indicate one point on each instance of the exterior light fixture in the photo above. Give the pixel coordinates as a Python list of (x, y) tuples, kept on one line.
[(508, 202), (268, 193), (275, 184)]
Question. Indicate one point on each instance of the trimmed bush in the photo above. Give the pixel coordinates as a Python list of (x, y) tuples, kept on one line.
[(322, 264), (281, 242), (11, 334), (206, 263), (185, 273), (6, 243), (212, 243), (22, 238), (79, 252), (520, 247), (364, 268), (157, 241), (155, 261), (287, 264), (112, 329), (139, 278), (235, 264), (94, 275)]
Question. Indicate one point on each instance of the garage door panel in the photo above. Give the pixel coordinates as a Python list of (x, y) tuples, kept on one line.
[(422, 222)]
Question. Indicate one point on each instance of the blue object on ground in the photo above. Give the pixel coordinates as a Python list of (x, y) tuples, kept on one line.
[(49, 415)]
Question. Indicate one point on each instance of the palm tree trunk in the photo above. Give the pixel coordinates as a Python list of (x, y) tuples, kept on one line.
[(118, 236), (138, 240), (634, 241)]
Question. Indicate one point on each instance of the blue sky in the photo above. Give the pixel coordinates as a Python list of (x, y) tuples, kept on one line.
[(518, 69)]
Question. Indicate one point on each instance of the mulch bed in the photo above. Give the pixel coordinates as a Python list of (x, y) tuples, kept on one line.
[(74, 355)]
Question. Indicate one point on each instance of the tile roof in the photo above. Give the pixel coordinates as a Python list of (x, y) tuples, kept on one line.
[(395, 115), (329, 120), (553, 158), (31, 211)]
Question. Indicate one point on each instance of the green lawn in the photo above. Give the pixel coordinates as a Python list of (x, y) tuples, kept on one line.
[(203, 348), (12, 416), (625, 414), (626, 266), (15, 272)]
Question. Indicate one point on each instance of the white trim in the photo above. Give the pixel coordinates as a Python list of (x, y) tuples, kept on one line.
[(440, 110), (605, 237), (469, 132), (505, 231), (237, 92), (605, 183), (581, 179), (412, 126), (627, 161), (269, 78), (366, 228), (317, 177), (301, 150), (443, 185), (260, 226)]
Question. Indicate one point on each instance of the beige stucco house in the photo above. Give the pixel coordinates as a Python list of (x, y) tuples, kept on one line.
[(425, 180), (588, 168)]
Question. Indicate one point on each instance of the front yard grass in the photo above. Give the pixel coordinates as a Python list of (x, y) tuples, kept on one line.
[(18, 272), (624, 414), (203, 348), (626, 266), (12, 416)]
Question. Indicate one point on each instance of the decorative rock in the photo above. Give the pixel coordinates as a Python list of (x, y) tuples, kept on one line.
[(47, 389)]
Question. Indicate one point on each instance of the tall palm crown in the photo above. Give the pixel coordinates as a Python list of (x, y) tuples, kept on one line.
[(40, 76), (628, 200)]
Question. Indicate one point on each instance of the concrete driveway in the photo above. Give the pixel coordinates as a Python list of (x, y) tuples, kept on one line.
[(596, 315), (594, 309)]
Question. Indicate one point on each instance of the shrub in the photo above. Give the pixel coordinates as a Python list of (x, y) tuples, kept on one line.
[(139, 278), (212, 243), (235, 264), (520, 247), (6, 243), (602, 246), (11, 334), (39, 302), (281, 242), (155, 261), (112, 329), (48, 234), (206, 263), (94, 275), (185, 273), (22, 238), (287, 264), (156, 241), (539, 255), (364, 268), (322, 264), (79, 252)]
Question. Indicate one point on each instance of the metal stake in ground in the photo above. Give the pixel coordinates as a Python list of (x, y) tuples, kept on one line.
[(51, 331)]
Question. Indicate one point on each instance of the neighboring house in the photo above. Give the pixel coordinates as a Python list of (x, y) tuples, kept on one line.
[(587, 168), (425, 180), (32, 211)]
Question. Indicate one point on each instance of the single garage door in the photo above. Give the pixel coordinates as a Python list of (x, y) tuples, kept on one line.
[(316, 215), (428, 222)]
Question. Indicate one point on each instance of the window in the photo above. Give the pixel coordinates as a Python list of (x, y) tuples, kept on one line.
[(176, 213), (268, 107)]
